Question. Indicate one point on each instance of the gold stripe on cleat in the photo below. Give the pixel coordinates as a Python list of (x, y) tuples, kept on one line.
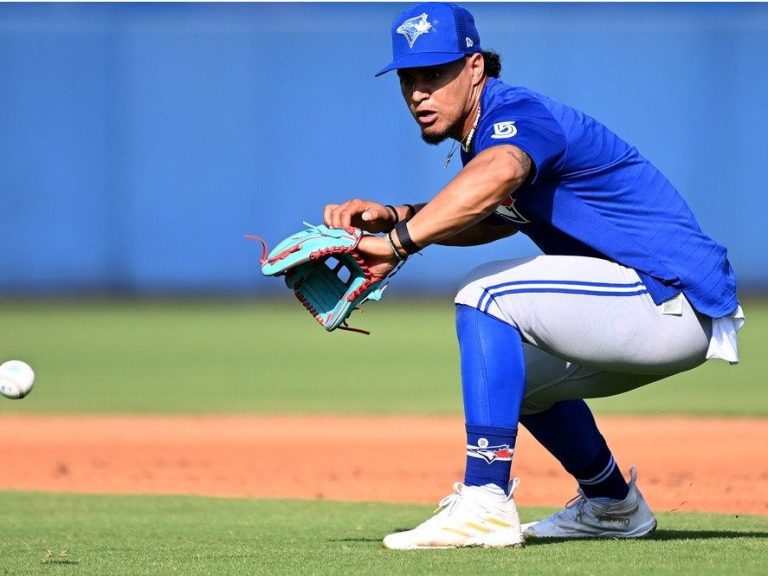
[(477, 527), (498, 522)]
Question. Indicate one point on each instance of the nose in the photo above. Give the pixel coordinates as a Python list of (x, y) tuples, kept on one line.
[(419, 93)]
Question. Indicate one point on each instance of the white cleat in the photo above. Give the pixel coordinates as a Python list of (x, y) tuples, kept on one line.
[(598, 518), (470, 516)]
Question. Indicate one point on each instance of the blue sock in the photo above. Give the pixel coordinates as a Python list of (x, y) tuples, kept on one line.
[(568, 430), (489, 455), (493, 382)]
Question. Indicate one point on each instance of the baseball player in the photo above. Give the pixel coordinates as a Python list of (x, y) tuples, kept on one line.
[(628, 289)]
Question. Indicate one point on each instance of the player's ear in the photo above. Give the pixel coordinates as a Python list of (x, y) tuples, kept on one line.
[(476, 65)]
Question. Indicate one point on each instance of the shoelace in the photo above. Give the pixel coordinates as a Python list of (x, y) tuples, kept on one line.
[(578, 502), (449, 502)]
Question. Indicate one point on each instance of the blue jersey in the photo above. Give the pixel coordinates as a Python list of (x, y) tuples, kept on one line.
[(592, 194)]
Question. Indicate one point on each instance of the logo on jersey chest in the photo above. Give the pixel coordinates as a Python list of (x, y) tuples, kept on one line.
[(508, 211)]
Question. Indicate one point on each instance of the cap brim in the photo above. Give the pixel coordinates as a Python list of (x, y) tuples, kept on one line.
[(420, 60)]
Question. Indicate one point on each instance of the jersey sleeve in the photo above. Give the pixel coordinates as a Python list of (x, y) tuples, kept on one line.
[(528, 125)]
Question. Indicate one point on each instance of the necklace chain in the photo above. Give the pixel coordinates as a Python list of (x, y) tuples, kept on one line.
[(466, 144)]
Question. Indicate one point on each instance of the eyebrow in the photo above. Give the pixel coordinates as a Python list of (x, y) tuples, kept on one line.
[(419, 70)]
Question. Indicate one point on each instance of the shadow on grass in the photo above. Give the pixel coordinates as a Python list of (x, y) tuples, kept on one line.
[(657, 536), (664, 535), (703, 534)]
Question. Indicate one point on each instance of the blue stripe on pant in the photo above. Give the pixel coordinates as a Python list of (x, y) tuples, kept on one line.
[(558, 287)]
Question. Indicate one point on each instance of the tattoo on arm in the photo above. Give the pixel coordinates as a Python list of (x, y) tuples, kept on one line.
[(522, 158)]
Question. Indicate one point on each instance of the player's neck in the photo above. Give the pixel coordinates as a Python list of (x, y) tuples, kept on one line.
[(468, 126), (472, 118)]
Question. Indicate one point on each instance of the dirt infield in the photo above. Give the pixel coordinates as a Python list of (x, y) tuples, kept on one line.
[(683, 464)]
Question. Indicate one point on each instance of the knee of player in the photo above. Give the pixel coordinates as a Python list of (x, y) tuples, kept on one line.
[(472, 293), (478, 279), (475, 289)]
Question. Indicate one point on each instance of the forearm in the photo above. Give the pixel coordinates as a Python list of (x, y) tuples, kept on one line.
[(469, 198), (448, 218)]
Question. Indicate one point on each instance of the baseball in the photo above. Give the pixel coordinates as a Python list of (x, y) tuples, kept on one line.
[(16, 379)]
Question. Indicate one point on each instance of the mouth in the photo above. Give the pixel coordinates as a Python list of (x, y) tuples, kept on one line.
[(426, 117)]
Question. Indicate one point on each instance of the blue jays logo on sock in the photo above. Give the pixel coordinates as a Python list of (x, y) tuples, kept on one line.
[(490, 454), (414, 27)]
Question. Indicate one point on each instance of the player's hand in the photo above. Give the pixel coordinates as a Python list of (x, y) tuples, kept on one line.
[(364, 214), (378, 255)]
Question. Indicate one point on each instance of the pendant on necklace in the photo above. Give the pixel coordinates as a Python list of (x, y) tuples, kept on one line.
[(450, 155), (464, 146)]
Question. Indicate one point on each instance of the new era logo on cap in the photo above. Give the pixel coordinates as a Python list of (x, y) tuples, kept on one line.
[(432, 34)]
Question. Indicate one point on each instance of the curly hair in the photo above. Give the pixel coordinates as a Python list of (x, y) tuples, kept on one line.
[(492, 63)]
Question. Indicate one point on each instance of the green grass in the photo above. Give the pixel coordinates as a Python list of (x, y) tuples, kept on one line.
[(249, 357), (136, 535), (213, 356)]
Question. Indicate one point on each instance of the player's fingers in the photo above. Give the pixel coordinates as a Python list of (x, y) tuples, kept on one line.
[(328, 214), (356, 212), (339, 216), (376, 212), (349, 213), (342, 216)]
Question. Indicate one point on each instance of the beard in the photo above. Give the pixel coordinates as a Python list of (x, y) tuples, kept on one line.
[(435, 138)]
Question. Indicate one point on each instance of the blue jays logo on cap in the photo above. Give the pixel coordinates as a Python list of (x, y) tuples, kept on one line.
[(414, 27), (431, 34)]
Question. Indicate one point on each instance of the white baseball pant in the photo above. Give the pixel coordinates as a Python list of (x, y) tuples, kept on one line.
[(590, 329)]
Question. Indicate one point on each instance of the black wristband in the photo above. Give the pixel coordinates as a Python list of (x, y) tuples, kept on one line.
[(401, 229), (412, 208), (394, 211)]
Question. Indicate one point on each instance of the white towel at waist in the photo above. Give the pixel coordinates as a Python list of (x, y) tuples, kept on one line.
[(723, 345)]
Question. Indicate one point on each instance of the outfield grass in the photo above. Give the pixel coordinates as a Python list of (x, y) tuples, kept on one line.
[(270, 357), (136, 535), (249, 357)]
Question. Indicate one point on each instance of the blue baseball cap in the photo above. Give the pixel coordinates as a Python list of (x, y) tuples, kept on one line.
[(431, 34)]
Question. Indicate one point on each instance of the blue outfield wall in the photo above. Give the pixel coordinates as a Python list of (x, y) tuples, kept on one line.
[(140, 142)]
